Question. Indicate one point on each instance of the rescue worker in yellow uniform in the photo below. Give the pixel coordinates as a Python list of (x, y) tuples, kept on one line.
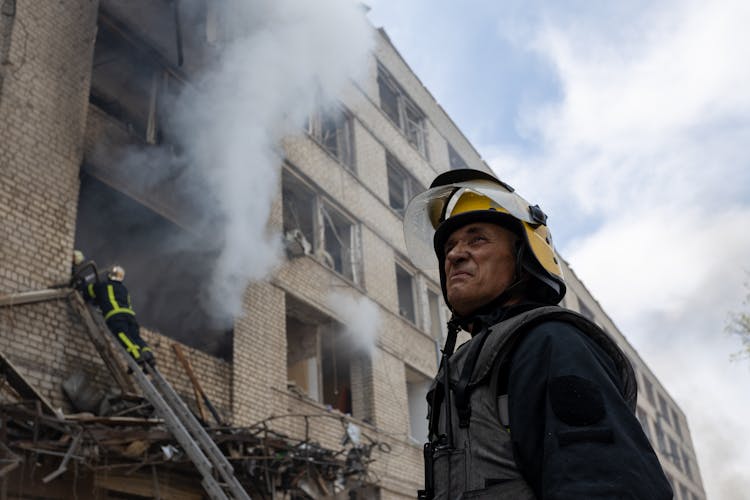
[(113, 299)]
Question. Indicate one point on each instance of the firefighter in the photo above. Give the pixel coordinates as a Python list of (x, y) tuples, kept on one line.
[(540, 402), (114, 301), (77, 259), (82, 273)]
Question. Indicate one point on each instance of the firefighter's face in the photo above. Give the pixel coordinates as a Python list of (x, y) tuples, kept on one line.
[(479, 265)]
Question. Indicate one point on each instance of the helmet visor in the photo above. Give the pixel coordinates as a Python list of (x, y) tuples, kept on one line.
[(427, 210)]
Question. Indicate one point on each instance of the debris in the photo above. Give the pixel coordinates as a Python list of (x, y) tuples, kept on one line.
[(265, 461)]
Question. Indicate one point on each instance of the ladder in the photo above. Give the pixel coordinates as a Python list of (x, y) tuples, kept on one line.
[(189, 433)]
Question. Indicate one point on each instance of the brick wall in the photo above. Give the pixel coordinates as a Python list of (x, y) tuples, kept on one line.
[(43, 107)]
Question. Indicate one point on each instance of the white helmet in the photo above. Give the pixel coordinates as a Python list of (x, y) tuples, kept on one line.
[(116, 273), (77, 257)]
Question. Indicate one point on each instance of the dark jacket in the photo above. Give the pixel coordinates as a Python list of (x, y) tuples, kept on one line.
[(547, 412), (112, 297)]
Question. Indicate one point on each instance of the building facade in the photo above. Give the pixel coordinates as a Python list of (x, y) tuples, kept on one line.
[(80, 80)]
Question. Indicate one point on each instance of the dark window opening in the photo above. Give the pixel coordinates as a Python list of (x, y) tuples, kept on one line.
[(676, 422), (299, 212), (322, 362), (313, 227), (664, 408), (675, 454), (402, 110), (401, 185), (124, 83), (417, 386), (648, 388), (454, 159), (389, 99), (406, 302), (660, 437), (338, 242), (436, 325), (167, 268), (131, 86), (334, 131)]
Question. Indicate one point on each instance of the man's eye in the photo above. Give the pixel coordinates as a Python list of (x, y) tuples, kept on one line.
[(478, 239)]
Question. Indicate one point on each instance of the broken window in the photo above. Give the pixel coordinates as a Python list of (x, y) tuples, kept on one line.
[(454, 159), (402, 110), (436, 324), (312, 226), (417, 386), (129, 85), (302, 357), (167, 267), (406, 295), (337, 241), (401, 185), (300, 205), (322, 361), (333, 131)]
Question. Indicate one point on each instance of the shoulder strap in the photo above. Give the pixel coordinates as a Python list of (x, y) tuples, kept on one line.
[(500, 340)]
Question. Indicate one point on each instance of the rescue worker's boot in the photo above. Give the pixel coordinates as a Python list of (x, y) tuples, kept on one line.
[(147, 357)]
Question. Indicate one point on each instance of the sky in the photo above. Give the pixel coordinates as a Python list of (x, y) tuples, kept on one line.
[(628, 122)]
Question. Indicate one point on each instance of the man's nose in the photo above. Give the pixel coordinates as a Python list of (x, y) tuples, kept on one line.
[(457, 252)]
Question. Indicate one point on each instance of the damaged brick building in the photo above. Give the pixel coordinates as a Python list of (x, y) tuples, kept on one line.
[(81, 80)]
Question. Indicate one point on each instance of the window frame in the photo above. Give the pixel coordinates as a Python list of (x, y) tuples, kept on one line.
[(412, 275), (409, 187), (455, 160), (140, 109), (324, 218), (417, 385), (344, 152), (404, 114), (431, 327)]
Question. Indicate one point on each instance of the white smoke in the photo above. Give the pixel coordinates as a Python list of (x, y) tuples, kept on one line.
[(361, 319), (281, 60)]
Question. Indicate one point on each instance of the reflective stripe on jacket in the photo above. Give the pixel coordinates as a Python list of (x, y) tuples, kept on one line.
[(112, 297)]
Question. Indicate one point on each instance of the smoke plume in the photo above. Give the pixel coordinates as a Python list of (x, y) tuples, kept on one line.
[(361, 319), (275, 63), (283, 58)]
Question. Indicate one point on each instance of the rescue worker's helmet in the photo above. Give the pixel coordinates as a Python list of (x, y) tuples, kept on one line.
[(77, 257), (460, 197), (116, 273)]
